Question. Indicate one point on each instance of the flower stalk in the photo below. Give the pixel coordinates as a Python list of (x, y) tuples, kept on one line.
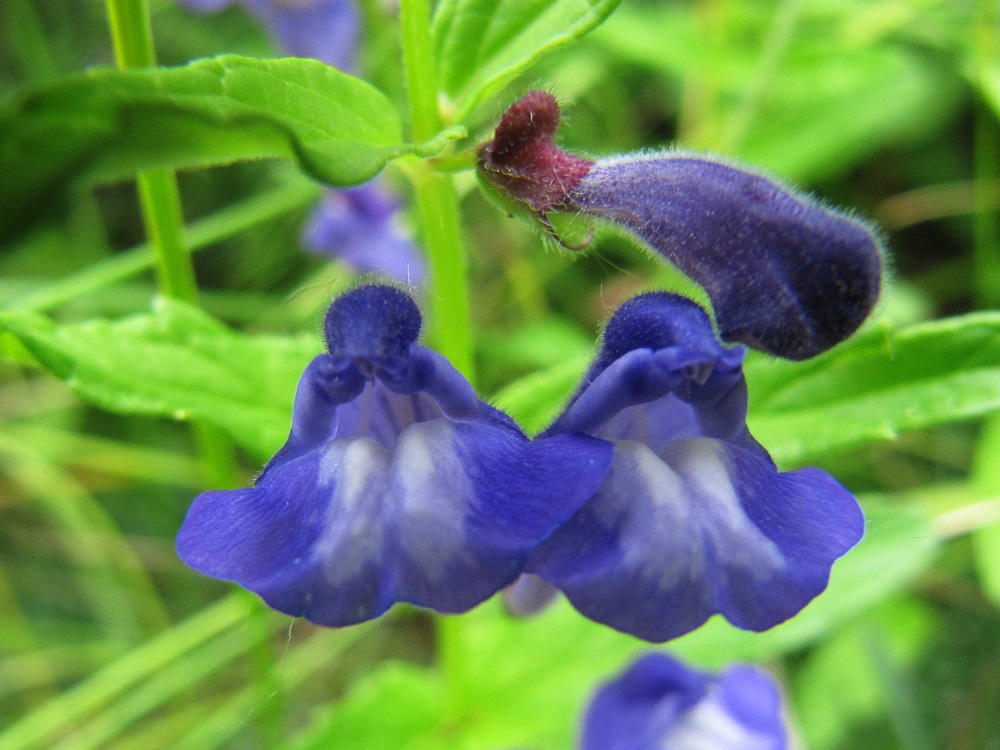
[(437, 201)]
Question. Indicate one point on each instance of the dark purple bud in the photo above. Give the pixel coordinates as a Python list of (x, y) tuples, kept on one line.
[(785, 274)]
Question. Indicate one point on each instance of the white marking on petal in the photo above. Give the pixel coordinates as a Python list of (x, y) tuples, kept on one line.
[(435, 497), (737, 540), (353, 533), (707, 726), (682, 504)]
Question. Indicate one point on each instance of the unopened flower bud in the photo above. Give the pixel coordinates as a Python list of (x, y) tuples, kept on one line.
[(785, 274)]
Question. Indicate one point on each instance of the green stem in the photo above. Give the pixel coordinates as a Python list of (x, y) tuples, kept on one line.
[(440, 229), (450, 316), (421, 69), (132, 34), (437, 201), (160, 200), (161, 212), (986, 220), (451, 656)]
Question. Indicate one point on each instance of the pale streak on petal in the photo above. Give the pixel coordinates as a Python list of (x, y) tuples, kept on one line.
[(704, 468), (350, 537), (707, 726), (693, 506), (435, 496)]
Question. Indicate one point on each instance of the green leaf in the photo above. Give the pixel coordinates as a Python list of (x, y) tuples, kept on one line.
[(834, 99), (105, 125), (175, 362), (12, 350), (397, 707), (534, 401), (483, 45), (529, 679), (876, 386), (825, 112), (839, 684)]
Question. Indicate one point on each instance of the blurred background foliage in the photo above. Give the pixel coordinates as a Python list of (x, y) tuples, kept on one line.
[(889, 107)]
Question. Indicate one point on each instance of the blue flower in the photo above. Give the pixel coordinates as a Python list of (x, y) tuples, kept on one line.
[(326, 30), (785, 274), (692, 518), (361, 226), (396, 484), (659, 704)]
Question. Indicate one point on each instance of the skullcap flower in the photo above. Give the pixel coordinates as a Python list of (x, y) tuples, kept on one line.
[(326, 30), (361, 227), (660, 704), (693, 517), (785, 274), (396, 484)]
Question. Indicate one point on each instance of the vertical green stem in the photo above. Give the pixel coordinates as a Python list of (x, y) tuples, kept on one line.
[(986, 219), (440, 228), (160, 201), (421, 70), (437, 209), (161, 212), (159, 198), (437, 202), (131, 33)]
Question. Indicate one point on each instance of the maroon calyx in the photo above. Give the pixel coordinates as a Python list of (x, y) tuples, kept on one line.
[(523, 162)]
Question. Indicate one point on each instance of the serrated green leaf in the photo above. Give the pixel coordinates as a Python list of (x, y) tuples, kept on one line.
[(484, 44), (878, 385), (175, 362), (105, 125)]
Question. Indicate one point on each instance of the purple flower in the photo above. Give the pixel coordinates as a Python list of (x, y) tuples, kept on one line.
[(323, 29), (785, 274), (692, 518), (659, 704), (361, 226), (396, 484)]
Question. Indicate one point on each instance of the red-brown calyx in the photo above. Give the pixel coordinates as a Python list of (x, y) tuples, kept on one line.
[(523, 161)]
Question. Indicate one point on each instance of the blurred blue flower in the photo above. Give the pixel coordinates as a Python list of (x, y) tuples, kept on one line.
[(692, 518), (785, 274), (327, 30), (361, 226), (660, 704), (396, 484)]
